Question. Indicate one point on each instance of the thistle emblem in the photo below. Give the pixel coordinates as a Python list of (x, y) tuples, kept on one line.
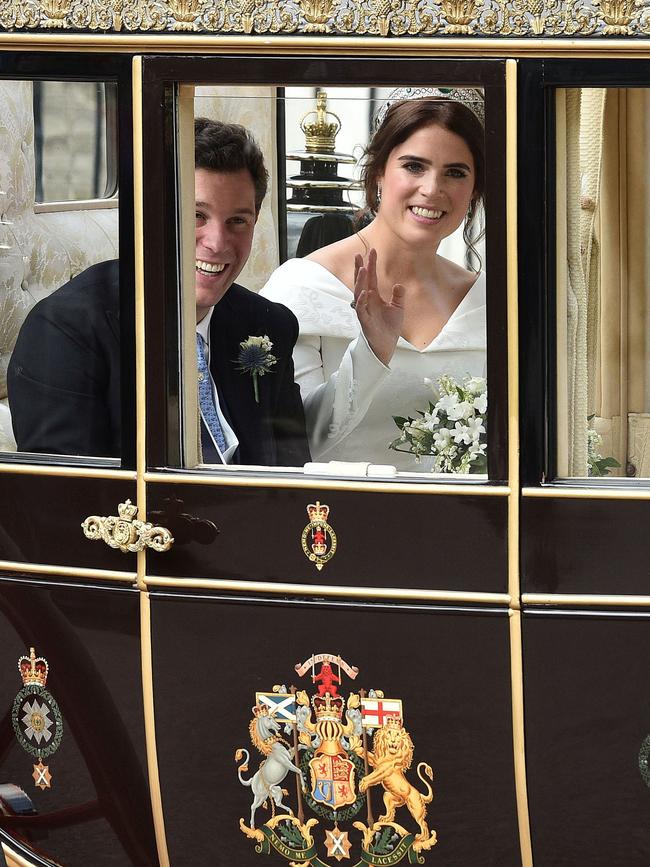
[(35, 716), (255, 357)]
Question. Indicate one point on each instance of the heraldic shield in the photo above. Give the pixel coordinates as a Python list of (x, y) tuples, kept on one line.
[(332, 781), (336, 750)]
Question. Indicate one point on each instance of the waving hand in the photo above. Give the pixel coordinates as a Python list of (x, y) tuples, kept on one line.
[(381, 321)]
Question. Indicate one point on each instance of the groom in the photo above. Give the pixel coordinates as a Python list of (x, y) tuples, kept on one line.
[(64, 374)]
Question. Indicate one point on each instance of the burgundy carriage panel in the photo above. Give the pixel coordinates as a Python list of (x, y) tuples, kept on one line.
[(588, 738), (73, 772), (445, 678), (383, 540), (41, 522)]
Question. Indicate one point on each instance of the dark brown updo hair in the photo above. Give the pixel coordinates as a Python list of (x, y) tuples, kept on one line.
[(407, 116)]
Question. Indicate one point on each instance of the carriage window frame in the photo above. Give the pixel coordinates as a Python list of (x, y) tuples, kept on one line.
[(163, 80), (116, 69), (538, 83), (109, 198)]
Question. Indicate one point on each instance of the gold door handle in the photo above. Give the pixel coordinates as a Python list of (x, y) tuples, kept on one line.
[(126, 532)]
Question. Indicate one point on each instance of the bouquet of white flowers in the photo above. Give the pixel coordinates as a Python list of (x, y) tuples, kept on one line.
[(452, 430)]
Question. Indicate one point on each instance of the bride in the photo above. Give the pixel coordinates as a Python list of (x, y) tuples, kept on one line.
[(382, 310)]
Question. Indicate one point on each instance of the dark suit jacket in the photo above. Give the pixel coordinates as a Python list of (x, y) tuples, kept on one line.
[(64, 374)]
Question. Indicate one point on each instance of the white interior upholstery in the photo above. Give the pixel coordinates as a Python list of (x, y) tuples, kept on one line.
[(38, 252)]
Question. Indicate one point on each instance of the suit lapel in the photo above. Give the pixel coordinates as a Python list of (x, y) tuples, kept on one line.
[(230, 325)]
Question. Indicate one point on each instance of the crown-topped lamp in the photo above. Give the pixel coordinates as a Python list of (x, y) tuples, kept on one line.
[(320, 134), (318, 189)]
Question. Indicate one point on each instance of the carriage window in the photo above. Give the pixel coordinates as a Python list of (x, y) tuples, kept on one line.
[(59, 283), (392, 375), (603, 266), (75, 153)]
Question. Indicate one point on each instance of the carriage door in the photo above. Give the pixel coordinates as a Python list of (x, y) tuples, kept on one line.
[(73, 770), (332, 645), (585, 476)]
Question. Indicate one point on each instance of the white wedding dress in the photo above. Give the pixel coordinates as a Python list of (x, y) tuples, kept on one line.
[(350, 397)]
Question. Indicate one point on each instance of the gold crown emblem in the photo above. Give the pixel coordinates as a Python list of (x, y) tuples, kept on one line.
[(393, 722), (127, 511), (318, 512), (328, 706), (320, 134), (33, 669), (260, 710)]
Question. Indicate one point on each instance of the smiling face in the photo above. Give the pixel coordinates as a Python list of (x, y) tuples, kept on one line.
[(427, 185), (225, 220)]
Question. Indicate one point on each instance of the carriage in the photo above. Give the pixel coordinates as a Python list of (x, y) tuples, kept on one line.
[(249, 665)]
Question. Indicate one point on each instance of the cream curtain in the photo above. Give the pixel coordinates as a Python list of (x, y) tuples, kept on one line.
[(603, 197), (579, 150), (619, 370)]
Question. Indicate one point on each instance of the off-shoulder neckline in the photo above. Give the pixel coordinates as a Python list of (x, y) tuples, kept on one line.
[(459, 311)]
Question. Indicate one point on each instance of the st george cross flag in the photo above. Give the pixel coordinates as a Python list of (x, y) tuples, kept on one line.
[(282, 706), (375, 711)]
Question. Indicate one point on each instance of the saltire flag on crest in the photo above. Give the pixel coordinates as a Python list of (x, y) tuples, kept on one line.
[(282, 706), (375, 711)]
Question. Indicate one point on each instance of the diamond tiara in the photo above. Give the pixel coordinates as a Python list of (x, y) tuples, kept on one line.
[(470, 97)]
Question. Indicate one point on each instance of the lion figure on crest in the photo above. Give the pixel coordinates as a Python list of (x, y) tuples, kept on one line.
[(391, 757)]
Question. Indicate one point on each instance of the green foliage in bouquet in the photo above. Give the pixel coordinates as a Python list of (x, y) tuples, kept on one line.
[(452, 430)]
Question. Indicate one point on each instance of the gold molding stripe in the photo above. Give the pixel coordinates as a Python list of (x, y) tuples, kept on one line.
[(173, 43), (66, 472), (329, 590), (191, 435), (150, 729), (14, 859), (68, 571), (323, 483), (561, 493), (146, 653), (513, 330), (516, 654), (140, 375), (518, 737), (587, 600)]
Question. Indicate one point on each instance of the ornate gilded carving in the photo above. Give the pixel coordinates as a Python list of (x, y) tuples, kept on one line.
[(317, 14), (459, 14), (385, 18), (538, 17), (389, 17), (20, 14), (126, 532), (185, 13), (144, 15), (260, 16), (55, 12), (617, 15), (93, 17)]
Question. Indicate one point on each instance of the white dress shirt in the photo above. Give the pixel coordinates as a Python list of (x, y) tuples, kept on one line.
[(203, 328)]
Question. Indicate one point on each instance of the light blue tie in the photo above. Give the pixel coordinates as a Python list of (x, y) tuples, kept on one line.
[(206, 397)]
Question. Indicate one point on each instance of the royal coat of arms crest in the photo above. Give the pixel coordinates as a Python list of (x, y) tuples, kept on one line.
[(337, 750)]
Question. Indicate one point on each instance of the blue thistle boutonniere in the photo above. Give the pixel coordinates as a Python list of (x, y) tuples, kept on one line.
[(255, 357)]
